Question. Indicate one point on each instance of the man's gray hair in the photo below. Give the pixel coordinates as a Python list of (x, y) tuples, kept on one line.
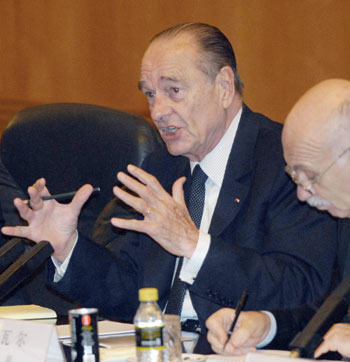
[(213, 43)]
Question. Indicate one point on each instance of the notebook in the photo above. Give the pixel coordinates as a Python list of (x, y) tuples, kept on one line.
[(28, 312)]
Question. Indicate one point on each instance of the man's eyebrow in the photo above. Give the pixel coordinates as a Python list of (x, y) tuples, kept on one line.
[(141, 85), (304, 168), (169, 79), (299, 167)]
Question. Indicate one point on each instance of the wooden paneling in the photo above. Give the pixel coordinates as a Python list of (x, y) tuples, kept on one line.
[(90, 51)]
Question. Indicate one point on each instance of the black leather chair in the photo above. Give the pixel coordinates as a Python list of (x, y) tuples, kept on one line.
[(70, 144)]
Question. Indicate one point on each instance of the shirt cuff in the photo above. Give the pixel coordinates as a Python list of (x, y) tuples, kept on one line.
[(191, 267), (61, 267), (272, 332)]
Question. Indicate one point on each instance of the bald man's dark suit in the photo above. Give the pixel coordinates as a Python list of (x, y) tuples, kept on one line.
[(262, 239), (291, 321)]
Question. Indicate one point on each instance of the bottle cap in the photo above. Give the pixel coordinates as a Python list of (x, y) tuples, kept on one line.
[(148, 294)]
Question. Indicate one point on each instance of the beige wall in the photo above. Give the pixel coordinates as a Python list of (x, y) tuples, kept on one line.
[(90, 51)]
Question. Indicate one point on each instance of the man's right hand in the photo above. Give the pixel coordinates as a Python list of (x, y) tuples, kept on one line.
[(49, 220), (250, 330)]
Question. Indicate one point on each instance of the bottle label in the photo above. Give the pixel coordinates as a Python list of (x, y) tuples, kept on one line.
[(149, 338)]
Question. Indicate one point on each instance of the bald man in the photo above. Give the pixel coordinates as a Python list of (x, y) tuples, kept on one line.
[(316, 145)]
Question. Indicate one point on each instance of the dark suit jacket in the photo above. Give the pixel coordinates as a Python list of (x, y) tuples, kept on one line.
[(269, 243), (292, 321)]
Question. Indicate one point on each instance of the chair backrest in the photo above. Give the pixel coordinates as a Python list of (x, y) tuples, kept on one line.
[(71, 144)]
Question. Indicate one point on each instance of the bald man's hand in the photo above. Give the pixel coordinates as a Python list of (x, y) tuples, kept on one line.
[(337, 339), (251, 329)]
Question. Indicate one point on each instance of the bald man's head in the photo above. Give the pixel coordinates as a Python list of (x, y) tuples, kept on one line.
[(316, 141)]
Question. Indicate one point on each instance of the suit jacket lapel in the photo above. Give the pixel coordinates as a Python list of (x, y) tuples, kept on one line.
[(237, 179)]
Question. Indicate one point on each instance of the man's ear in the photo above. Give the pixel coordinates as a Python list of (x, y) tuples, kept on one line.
[(226, 82)]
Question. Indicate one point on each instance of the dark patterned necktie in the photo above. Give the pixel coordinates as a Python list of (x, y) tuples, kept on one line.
[(195, 208)]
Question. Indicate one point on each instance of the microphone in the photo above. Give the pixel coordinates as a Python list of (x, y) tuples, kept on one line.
[(24, 267), (9, 252), (333, 310)]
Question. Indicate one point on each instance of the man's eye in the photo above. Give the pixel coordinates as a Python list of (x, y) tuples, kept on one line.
[(149, 94), (175, 90)]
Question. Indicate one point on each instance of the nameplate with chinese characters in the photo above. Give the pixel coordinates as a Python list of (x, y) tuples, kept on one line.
[(29, 341)]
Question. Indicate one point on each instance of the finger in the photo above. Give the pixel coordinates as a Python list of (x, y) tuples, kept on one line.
[(212, 339), (35, 198), (324, 347), (81, 196), (24, 210), (232, 350), (216, 349), (141, 226), (149, 180), (19, 231), (217, 344), (217, 338), (135, 202), (217, 322), (131, 183), (136, 225), (36, 191), (39, 184), (178, 191), (40, 187), (241, 337)]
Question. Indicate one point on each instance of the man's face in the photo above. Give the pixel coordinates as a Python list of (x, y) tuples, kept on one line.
[(185, 104), (322, 176)]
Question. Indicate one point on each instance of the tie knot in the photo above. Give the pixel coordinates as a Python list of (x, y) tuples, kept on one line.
[(198, 176)]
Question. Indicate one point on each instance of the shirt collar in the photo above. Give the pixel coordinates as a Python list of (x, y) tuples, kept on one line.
[(215, 162)]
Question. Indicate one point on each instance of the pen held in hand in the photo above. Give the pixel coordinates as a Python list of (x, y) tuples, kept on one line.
[(240, 306), (63, 196)]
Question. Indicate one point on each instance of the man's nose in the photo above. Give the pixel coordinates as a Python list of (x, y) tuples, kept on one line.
[(160, 108), (304, 193)]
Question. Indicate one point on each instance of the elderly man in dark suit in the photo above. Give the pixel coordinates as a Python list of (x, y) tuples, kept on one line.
[(216, 211), (316, 147)]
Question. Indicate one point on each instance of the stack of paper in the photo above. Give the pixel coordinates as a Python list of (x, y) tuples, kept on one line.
[(258, 356), (28, 312), (105, 329), (274, 356)]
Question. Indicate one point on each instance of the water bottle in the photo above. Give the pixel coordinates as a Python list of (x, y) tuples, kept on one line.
[(149, 325)]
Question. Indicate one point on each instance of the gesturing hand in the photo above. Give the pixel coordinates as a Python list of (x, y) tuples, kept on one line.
[(49, 220), (166, 218)]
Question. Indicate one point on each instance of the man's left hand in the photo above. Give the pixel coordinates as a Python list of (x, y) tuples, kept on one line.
[(166, 217), (337, 339)]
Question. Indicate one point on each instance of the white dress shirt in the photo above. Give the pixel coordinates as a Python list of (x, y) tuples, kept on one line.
[(214, 165)]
